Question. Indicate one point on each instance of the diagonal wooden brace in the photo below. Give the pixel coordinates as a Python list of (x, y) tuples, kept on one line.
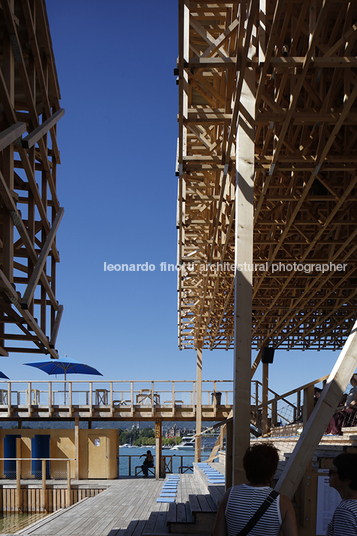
[(36, 274)]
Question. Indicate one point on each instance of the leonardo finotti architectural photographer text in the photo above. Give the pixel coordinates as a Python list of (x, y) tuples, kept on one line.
[(227, 267)]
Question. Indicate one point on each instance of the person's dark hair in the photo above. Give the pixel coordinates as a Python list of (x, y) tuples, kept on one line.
[(346, 465), (260, 463)]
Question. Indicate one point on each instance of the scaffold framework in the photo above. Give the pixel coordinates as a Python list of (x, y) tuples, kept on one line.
[(30, 212), (304, 56)]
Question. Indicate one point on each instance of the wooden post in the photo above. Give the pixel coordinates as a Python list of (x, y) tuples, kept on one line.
[(262, 32), (8, 67), (43, 489), (8, 399), (18, 485), (265, 381), (68, 497), (308, 403), (70, 397), (111, 399), (199, 404), (320, 417), (229, 453), (306, 488), (243, 274), (76, 447), (50, 401), (221, 436), (90, 399), (158, 444)]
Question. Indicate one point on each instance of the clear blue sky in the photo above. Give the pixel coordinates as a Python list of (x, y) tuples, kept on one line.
[(117, 183)]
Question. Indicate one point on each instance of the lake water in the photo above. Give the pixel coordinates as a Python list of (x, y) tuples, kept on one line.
[(12, 523), (179, 457)]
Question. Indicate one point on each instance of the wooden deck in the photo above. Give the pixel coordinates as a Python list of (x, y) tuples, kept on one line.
[(117, 510)]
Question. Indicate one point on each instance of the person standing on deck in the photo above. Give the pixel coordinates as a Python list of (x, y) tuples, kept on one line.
[(343, 477), (240, 503)]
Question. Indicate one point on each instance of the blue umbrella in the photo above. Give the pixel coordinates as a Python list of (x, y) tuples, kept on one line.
[(64, 367), (2, 375)]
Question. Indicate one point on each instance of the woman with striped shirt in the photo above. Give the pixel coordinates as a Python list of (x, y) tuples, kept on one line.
[(343, 477), (240, 503)]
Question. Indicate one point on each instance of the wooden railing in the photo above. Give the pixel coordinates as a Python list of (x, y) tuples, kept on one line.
[(166, 462), (44, 461), (294, 399), (113, 393)]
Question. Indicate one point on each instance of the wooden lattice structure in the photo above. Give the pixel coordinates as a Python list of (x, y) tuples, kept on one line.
[(304, 56), (30, 212)]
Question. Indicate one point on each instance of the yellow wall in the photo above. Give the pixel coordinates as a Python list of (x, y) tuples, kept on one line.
[(98, 452)]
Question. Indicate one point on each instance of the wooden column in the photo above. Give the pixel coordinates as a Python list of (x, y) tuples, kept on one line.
[(320, 417), (76, 448), (306, 488), (8, 66), (229, 453), (158, 445), (308, 403), (243, 275), (68, 493), (43, 489), (265, 381), (199, 404), (18, 475)]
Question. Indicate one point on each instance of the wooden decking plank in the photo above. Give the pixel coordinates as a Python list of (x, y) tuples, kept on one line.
[(194, 504), (204, 504), (171, 514), (139, 528), (189, 516), (131, 528), (216, 493), (181, 513), (161, 523), (124, 508), (150, 524), (211, 503)]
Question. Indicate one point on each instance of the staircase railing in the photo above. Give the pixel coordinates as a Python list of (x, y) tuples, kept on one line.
[(277, 414)]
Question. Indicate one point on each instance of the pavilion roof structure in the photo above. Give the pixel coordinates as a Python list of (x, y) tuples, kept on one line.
[(30, 212), (304, 54)]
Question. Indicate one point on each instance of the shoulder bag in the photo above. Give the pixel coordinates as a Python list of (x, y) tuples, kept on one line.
[(258, 514)]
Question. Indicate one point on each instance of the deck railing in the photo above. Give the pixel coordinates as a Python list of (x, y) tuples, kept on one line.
[(113, 393), (41, 470), (171, 463), (283, 409)]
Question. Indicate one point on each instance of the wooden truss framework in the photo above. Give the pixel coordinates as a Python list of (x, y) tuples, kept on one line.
[(30, 212), (304, 53)]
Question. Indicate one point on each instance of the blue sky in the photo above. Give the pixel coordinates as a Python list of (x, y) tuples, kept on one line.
[(117, 183)]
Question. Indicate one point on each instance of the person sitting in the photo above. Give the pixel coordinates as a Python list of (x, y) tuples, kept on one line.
[(345, 412), (240, 503), (317, 394), (343, 477), (148, 462)]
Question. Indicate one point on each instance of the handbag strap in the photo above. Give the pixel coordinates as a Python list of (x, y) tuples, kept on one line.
[(258, 514)]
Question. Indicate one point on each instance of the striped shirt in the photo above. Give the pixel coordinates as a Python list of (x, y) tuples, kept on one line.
[(344, 520), (243, 502)]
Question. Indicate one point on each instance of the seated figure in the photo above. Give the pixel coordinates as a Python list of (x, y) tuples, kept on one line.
[(344, 413), (148, 462)]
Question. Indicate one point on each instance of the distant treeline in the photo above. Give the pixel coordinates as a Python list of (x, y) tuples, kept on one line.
[(145, 437)]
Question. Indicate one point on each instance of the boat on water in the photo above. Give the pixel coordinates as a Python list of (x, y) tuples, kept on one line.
[(188, 443)]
